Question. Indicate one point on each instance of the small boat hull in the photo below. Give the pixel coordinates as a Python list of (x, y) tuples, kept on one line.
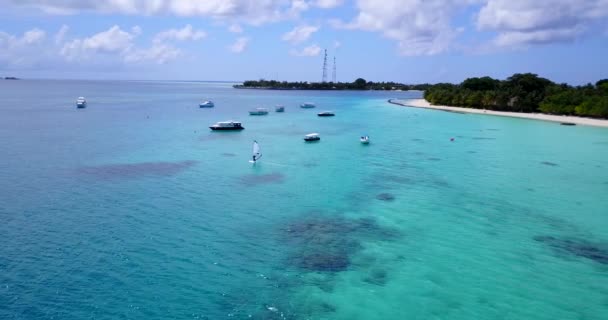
[(226, 128), (279, 109), (312, 139), (257, 113), (81, 105), (206, 104), (325, 114)]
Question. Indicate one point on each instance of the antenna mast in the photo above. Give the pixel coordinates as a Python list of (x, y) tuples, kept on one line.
[(324, 79), (333, 75)]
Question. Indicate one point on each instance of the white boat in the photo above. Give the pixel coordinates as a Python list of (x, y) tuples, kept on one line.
[(307, 105), (257, 153), (312, 137), (227, 125), (258, 112), (279, 108), (206, 104), (81, 103), (364, 139), (326, 114)]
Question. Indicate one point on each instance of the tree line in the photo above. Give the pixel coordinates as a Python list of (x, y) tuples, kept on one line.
[(523, 93), (358, 84)]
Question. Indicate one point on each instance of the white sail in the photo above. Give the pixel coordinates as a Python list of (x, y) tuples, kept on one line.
[(256, 151)]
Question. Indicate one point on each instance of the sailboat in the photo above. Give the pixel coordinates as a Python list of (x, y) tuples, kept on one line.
[(257, 154)]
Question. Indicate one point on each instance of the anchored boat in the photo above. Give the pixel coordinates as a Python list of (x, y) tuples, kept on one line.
[(312, 137), (326, 114), (206, 104), (258, 112), (81, 103), (307, 105), (227, 126)]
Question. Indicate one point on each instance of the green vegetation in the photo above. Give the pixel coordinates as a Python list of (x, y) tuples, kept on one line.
[(523, 93), (359, 84)]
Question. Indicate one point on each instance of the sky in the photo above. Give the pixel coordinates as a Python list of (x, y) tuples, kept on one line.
[(408, 41)]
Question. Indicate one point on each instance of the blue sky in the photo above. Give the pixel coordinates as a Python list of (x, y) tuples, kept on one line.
[(411, 41)]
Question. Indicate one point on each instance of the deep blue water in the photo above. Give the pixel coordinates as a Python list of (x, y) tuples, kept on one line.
[(133, 209)]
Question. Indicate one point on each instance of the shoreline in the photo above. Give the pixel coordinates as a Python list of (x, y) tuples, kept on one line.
[(422, 103)]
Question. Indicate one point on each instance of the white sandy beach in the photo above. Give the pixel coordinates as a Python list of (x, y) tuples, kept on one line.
[(422, 103)]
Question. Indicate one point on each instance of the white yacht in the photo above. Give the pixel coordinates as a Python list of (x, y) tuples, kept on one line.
[(364, 139), (206, 104), (307, 105), (258, 112), (227, 125), (312, 137), (81, 103)]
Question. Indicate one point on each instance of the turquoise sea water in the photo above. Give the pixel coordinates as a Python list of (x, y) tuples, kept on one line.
[(134, 209)]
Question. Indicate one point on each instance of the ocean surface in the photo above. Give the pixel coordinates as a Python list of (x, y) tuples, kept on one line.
[(133, 209)]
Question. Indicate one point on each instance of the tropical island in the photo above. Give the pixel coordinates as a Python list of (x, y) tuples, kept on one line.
[(358, 84), (520, 93), (525, 93)]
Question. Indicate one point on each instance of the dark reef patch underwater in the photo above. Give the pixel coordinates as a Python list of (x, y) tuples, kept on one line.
[(385, 197), (326, 243), (577, 247), (548, 163), (136, 170)]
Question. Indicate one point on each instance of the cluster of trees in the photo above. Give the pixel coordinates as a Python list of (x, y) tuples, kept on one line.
[(524, 93), (359, 84)]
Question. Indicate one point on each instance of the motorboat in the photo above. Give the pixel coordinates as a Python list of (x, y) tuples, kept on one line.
[(227, 125), (307, 105), (258, 112), (206, 104), (81, 103), (364, 139), (326, 114), (312, 137), (279, 108)]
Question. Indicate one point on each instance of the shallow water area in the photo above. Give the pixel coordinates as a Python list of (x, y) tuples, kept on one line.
[(133, 208)]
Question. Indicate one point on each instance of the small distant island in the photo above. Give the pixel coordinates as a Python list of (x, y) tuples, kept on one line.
[(359, 84), (11, 78)]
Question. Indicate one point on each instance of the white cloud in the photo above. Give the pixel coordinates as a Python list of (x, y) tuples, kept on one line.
[(33, 36), (116, 45), (328, 4), (249, 11), (337, 44), (60, 35), (239, 45), (310, 51), (299, 34), (113, 40), (22, 51), (299, 6), (420, 27), (235, 28), (187, 33), (159, 53), (521, 22)]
